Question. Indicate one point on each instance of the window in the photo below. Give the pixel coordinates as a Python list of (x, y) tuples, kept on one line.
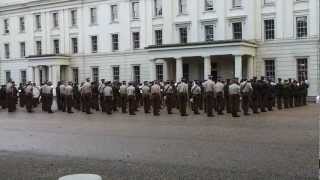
[(8, 76), (182, 6), (38, 22), (157, 7), (135, 10), (183, 33), (38, 48), (23, 76), (209, 32), (93, 16), (6, 51), (236, 3), (22, 24), (56, 46), (159, 72), (302, 26), (269, 29), (208, 5), (270, 69), (22, 49), (115, 42), (268, 2), (158, 37), (237, 30), (95, 74), (6, 26), (136, 40), (136, 73), (94, 44), (74, 45), (116, 73), (302, 69), (114, 13), (75, 75), (55, 19), (74, 21)]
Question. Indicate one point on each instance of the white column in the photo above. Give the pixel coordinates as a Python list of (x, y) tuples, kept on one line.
[(207, 67), (179, 69), (55, 74), (37, 75), (165, 71), (238, 66), (153, 70), (30, 74), (250, 67)]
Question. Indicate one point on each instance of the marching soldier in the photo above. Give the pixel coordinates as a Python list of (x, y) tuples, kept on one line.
[(68, 95), (29, 97), (305, 86), (226, 96), (11, 93), (286, 94), (22, 98), (3, 97), (116, 95), (48, 91), (182, 90), (156, 98), (291, 93), (146, 97), (196, 97), (95, 96), (101, 87), (123, 96), (218, 91), (62, 90), (279, 93), (86, 93), (209, 93), (169, 96), (246, 91), (108, 98), (131, 98), (36, 95), (234, 93)]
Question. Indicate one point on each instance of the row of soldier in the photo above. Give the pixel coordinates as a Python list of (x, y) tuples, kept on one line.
[(259, 95)]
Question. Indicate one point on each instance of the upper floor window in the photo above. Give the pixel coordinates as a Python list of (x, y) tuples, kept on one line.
[(6, 26), (209, 32), (182, 6), (94, 44), (115, 42), (183, 33), (135, 10), (56, 46), (6, 51), (38, 48), (302, 26), (302, 69), (208, 5), (136, 73), (74, 19), (38, 22), (236, 3), (269, 29), (237, 30), (74, 45), (93, 15), (158, 37), (95, 74), (22, 25), (157, 7), (270, 69), (22, 49), (55, 20), (136, 40), (114, 13), (268, 2)]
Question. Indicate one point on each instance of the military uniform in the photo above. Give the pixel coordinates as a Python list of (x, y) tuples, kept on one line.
[(219, 93), (156, 98), (182, 90), (146, 98), (169, 97), (234, 93), (123, 97), (29, 97), (279, 94), (209, 93), (108, 99), (246, 90), (68, 95), (86, 93), (131, 98), (196, 98)]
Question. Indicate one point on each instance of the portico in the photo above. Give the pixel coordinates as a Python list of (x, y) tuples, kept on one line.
[(195, 61), (51, 68)]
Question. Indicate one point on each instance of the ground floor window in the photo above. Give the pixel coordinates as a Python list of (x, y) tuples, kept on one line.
[(116, 73), (136, 73), (23, 76), (8, 76), (159, 72), (75, 75), (270, 69), (95, 74), (302, 69)]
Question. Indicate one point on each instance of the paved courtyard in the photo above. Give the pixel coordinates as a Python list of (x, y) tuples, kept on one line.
[(275, 145)]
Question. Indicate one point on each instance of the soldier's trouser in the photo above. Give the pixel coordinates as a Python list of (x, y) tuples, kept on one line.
[(279, 102), (196, 103), (115, 102), (146, 103), (29, 102), (227, 104), (269, 103), (22, 100), (44, 102), (183, 100), (169, 102), (220, 102), (87, 103), (235, 99), (209, 104), (108, 104), (49, 99), (124, 103), (291, 101), (245, 103), (132, 105), (11, 103), (102, 103), (261, 103), (254, 104), (156, 103), (63, 102), (286, 101), (69, 103)]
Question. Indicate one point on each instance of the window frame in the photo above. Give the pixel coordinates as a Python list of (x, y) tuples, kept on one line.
[(159, 71), (114, 10), (22, 49), (6, 26), (135, 15), (6, 50), (136, 42), (56, 46), (94, 43), (136, 77), (301, 36), (22, 24), (206, 7), (55, 20), (305, 70), (158, 37), (93, 16), (73, 47), (95, 76), (115, 46), (236, 34), (272, 32), (116, 76), (73, 17), (157, 11), (38, 24), (270, 69)]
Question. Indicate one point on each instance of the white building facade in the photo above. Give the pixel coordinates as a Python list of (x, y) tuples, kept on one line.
[(52, 40)]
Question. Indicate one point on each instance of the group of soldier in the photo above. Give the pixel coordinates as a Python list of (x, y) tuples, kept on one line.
[(259, 95)]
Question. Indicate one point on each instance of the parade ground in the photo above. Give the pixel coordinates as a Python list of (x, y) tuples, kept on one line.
[(278, 145)]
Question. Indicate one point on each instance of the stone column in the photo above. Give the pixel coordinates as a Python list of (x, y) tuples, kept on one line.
[(30, 74), (238, 66), (37, 75), (207, 67), (55, 74), (179, 69), (250, 67), (165, 71)]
